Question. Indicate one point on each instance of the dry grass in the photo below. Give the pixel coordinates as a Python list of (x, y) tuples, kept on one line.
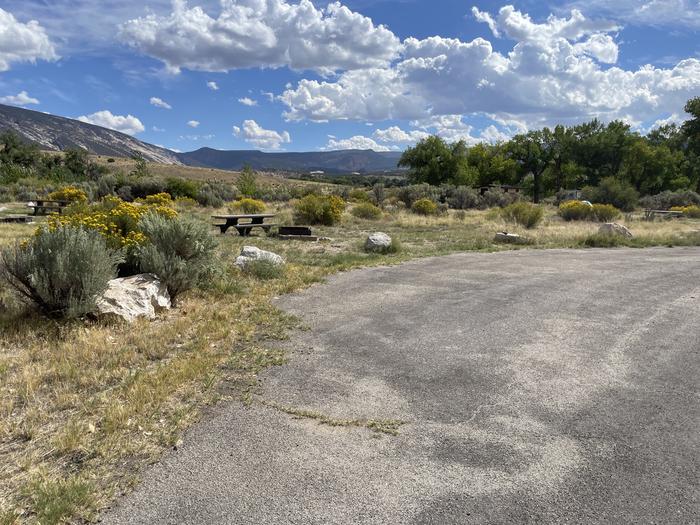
[(84, 406)]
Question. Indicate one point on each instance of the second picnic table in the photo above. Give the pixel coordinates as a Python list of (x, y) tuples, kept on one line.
[(253, 220)]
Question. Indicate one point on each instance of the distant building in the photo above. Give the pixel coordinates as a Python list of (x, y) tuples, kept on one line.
[(319, 172)]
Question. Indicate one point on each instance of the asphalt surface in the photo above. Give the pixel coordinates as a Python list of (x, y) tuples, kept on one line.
[(534, 386)]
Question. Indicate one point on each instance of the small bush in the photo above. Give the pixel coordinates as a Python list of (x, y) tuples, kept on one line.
[(69, 194), (247, 182), (358, 195), (319, 209), (497, 198), (178, 187), (179, 251), (143, 187), (61, 270), (669, 199), (248, 205), (214, 193), (378, 194), (575, 211), (604, 212), (410, 194), (424, 207), (620, 194), (523, 213), (464, 198), (264, 270), (366, 210)]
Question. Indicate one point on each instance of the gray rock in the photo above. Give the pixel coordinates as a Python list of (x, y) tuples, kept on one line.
[(140, 295), (613, 228), (377, 242), (252, 253), (509, 238)]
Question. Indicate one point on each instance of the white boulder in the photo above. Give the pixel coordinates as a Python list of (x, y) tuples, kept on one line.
[(377, 242), (509, 238), (135, 296), (613, 228), (252, 253)]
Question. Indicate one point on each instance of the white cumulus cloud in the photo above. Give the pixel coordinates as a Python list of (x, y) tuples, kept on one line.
[(126, 124), (262, 33), (558, 70), (659, 13), (247, 101), (23, 42), (395, 135), (193, 123), (20, 99), (356, 142), (213, 86), (160, 103), (262, 138)]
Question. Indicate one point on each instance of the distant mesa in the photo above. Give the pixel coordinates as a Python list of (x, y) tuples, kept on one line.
[(55, 133)]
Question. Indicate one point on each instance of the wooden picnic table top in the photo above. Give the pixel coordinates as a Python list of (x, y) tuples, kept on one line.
[(41, 202), (245, 216)]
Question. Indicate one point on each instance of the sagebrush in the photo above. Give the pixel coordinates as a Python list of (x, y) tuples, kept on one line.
[(61, 270)]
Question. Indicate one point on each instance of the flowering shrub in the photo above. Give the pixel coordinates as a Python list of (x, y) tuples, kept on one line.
[(69, 194), (691, 211), (116, 220), (424, 207), (319, 209), (248, 205), (575, 210)]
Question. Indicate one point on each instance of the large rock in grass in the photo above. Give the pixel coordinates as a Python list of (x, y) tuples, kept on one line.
[(378, 242), (252, 253), (136, 296), (613, 228), (509, 238)]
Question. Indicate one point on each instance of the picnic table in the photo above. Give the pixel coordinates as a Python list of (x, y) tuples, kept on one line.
[(650, 215), (43, 206), (252, 220)]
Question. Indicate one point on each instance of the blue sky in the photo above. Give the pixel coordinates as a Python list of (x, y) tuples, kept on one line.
[(295, 75)]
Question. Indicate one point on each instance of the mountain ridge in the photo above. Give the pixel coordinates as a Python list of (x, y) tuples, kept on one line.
[(55, 133), (338, 161)]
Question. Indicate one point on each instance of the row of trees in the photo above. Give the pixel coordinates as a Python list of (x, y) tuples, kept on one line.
[(568, 157)]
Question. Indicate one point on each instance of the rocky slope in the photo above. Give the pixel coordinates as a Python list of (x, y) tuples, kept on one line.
[(54, 133)]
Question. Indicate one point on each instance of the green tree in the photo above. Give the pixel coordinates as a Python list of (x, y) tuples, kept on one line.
[(247, 182), (436, 162), (15, 150)]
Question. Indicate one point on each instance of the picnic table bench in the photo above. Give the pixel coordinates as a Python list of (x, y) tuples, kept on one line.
[(17, 218), (43, 206), (650, 215), (253, 220)]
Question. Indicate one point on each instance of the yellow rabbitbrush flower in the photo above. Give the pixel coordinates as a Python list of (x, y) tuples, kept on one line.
[(116, 220), (69, 194)]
